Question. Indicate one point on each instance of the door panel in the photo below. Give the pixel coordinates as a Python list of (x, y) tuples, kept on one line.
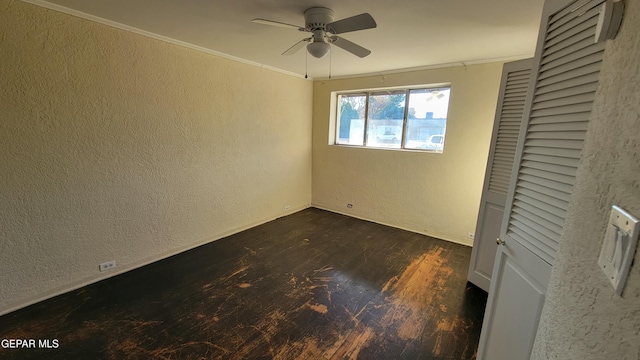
[(519, 281), (486, 251), (509, 111)]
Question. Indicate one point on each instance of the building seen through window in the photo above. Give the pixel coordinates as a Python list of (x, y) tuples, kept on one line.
[(412, 119)]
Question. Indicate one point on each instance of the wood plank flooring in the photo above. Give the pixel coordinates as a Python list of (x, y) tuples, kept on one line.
[(312, 285)]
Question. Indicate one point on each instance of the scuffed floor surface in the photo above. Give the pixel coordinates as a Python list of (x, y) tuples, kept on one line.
[(312, 285)]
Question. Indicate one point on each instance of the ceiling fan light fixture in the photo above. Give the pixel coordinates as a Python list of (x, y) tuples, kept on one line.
[(318, 49)]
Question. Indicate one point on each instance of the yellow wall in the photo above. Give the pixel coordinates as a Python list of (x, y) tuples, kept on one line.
[(120, 147), (434, 194)]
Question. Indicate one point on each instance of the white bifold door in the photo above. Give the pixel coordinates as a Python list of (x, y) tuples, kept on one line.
[(557, 108), (509, 111)]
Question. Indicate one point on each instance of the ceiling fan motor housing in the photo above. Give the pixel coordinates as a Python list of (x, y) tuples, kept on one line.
[(317, 18)]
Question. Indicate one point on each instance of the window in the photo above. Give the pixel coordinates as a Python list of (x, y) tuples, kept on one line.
[(414, 119)]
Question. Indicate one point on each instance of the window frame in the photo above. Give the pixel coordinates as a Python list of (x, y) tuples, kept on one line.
[(336, 112)]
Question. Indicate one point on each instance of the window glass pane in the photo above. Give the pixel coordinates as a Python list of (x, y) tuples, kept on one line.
[(350, 127), (427, 119), (386, 114)]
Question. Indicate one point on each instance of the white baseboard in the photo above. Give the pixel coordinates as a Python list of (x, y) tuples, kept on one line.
[(456, 241)]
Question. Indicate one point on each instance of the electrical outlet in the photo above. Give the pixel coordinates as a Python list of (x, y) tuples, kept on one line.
[(107, 265), (471, 235), (349, 206), (287, 208)]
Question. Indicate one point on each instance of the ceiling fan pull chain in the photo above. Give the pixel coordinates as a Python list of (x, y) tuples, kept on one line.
[(306, 65), (330, 58)]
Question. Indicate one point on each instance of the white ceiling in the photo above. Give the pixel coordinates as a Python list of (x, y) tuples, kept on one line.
[(410, 33)]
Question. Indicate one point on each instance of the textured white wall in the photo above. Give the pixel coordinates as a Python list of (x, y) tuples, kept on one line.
[(117, 146), (582, 317), (433, 194)]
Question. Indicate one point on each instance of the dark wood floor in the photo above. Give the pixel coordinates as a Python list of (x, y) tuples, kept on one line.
[(312, 285)]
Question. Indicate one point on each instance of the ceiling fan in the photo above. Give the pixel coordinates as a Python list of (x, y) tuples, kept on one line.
[(320, 22)]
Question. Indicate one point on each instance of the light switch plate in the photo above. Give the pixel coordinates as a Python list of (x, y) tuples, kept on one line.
[(619, 247)]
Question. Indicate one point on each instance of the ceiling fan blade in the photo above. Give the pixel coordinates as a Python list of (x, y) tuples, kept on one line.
[(295, 48), (347, 45), (354, 23), (277, 23)]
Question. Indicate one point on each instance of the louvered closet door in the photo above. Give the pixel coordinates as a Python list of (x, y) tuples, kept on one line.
[(560, 109), (557, 111), (509, 111)]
